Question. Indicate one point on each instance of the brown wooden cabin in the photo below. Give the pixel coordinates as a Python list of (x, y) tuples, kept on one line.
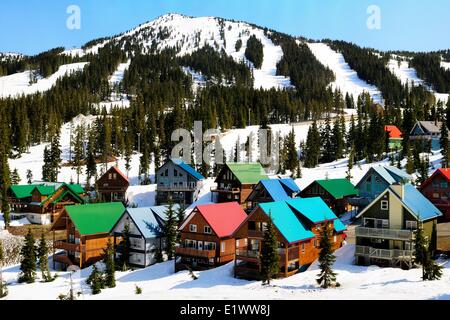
[(207, 236), (235, 182), (112, 186), (437, 190), (298, 223), (88, 229)]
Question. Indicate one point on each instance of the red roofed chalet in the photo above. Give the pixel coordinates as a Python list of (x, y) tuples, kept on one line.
[(207, 236), (437, 189), (395, 137), (112, 186)]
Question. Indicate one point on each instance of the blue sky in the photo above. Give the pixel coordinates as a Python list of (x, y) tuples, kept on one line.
[(31, 26)]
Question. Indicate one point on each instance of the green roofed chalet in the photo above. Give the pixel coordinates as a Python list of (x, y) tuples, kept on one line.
[(335, 192), (235, 181), (87, 229)]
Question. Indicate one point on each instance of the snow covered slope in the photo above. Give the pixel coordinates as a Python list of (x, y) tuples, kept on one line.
[(445, 65), (19, 83), (402, 70), (118, 75), (347, 80)]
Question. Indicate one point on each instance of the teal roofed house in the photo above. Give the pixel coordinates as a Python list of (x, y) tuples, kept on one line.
[(179, 181), (375, 181), (271, 190), (386, 234), (145, 231), (335, 192), (299, 224)]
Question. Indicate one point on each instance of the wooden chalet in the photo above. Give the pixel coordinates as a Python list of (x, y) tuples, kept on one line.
[(87, 231), (335, 192), (112, 186), (179, 182), (428, 133), (395, 137), (207, 236), (43, 203), (235, 182), (145, 232), (437, 190), (386, 235), (298, 223), (272, 190)]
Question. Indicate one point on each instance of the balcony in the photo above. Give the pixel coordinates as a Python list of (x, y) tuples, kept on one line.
[(225, 190), (384, 253), (64, 245), (195, 252), (390, 234), (253, 254), (180, 188)]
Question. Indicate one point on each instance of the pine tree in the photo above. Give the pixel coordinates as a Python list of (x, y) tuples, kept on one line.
[(55, 158), (43, 260), (28, 263), (170, 230), (351, 160), (326, 141), (180, 219), (95, 280), (327, 277), (15, 177), (125, 248), (312, 150), (410, 169), (78, 151), (46, 168), (29, 176), (291, 154), (422, 252), (444, 145), (423, 170), (110, 278), (91, 165), (270, 264)]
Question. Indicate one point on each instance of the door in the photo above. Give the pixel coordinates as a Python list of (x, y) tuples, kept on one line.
[(200, 245)]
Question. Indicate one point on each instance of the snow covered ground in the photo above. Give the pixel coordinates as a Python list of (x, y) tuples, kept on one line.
[(347, 80), (445, 65), (19, 83), (160, 282), (118, 75), (406, 74)]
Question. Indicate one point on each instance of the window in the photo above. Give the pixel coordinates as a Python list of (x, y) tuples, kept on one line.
[(209, 246), (303, 248), (114, 176), (435, 184), (411, 225), (207, 230), (77, 255), (384, 205), (335, 239), (315, 243), (444, 185), (175, 172), (110, 176), (192, 228), (222, 246), (436, 195), (190, 244)]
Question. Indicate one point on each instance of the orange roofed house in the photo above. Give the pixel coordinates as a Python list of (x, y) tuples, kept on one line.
[(437, 190), (207, 236), (395, 137), (113, 185), (87, 231)]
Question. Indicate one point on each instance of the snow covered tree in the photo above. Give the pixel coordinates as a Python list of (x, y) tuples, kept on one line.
[(170, 230), (270, 264), (28, 260), (108, 252), (29, 176), (42, 252), (326, 277)]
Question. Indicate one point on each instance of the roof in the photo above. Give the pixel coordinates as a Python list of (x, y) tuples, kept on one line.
[(95, 218), (275, 189), (23, 191), (146, 221), (413, 201), (290, 184), (338, 188), (430, 126), (223, 218), (339, 226), (114, 168), (188, 169), (161, 210), (248, 173), (445, 172), (314, 209), (77, 188), (390, 174), (394, 132), (418, 204), (287, 223), (45, 190)]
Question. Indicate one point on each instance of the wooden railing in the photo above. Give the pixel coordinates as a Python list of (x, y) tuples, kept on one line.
[(383, 253), (195, 252), (247, 253), (68, 246), (392, 234), (293, 254), (184, 187), (225, 190)]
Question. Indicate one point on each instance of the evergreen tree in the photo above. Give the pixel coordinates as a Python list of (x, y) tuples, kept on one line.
[(91, 165), (351, 160), (28, 260), (43, 260), (78, 151), (422, 252), (312, 150), (423, 170), (337, 140), (110, 278), (29, 176), (95, 280), (170, 230), (55, 158), (444, 145), (291, 155), (327, 277), (180, 219), (326, 141), (270, 264), (46, 168), (125, 248), (15, 177), (3, 287), (410, 160)]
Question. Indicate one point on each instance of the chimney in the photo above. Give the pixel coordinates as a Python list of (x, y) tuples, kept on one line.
[(399, 190)]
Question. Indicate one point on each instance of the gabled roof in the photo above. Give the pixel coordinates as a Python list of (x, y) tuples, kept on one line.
[(115, 169), (287, 223), (188, 169), (69, 189), (248, 173), (45, 190), (314, 209), (223, 218), (429, 126), (394, 132), (444, 172), (338, 188), (161, 210), (77, 188), (290, 184), (23, 191), (389, 174), (413, 201), (95, 218), (276, 189)]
